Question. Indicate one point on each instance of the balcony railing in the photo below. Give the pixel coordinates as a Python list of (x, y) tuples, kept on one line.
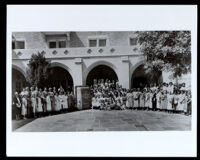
[(77, 52)]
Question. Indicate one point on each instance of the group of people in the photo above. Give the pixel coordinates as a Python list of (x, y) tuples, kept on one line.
[(35, 102), (106, 95), (109, 95)]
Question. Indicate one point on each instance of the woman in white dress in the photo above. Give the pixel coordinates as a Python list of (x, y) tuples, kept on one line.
[(34, 101), (162, 101), (147, 100), (129, 102), (158, 102), (170, 102), (24, 103), (48, 100), (150, 99), (57, 103), (180, 99), (39, 100), (61, 98), (142, 99), (65, 101)]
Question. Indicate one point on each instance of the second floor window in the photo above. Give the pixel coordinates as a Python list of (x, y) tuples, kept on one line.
[(97, 42), (57, 44), (18, 45), (52, 44), (93, 43)]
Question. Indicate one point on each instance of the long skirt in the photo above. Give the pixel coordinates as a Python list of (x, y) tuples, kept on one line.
[(179, 107), (142, 102), (147, 103), (129, 102), (65, 104), (34, 104), (185, 107), (40, 109), (135, 103), (57, 105), (24, 106), (158, 103), (48, 104), (150, 103)]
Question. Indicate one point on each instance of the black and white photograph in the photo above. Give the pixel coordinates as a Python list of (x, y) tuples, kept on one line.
[(101, 81), (114, 78)]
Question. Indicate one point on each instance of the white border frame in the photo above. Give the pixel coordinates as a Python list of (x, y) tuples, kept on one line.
[(102, 18)]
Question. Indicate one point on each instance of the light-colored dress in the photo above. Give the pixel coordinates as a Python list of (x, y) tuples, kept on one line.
[(65, 101), (185, 103), (39, 109), (34, 101), (136, 99), (162, 101), (129, 102), (150, 100), (158, 102), (170, 100), (165, 101), (180, 105), (147, 100), (142, 100), (57, 103), (48, 103), (24, 103)]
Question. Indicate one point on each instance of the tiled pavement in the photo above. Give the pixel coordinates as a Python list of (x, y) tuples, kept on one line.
[(96, 120)]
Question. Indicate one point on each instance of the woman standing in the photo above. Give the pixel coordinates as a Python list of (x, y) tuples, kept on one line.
[(65, 101), (57, 103), (158, 100), (48, 100), (129, 102), (24, 103), (39, 99)]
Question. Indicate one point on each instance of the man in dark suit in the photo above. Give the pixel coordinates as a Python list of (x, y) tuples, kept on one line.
[(17, 104)]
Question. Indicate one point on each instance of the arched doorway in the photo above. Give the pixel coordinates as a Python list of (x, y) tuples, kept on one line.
[(18, 81), (101, 72), (59, 76), (141, 78)]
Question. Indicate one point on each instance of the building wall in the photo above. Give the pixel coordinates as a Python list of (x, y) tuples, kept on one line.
[(38, 40), (32, 40)]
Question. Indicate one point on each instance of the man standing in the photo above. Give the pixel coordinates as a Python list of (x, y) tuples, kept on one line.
[(17, 105)]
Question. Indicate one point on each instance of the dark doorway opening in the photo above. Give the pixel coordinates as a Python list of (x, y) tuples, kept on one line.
[(142, 78), (60, 77), (101, 72)]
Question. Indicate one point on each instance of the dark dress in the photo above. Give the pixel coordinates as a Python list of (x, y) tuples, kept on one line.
[(17, 109), (154, 101)]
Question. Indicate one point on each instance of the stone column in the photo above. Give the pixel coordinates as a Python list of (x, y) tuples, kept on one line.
[(77, 72), (123, 72)]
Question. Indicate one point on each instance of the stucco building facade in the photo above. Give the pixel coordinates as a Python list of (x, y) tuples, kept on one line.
[(81, 56)]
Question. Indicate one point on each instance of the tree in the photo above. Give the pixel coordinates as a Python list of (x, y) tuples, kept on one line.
[(166, 50), (37, 72)]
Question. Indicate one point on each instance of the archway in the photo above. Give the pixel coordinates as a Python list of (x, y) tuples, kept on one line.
[(140, 78), (59, 76), (101, 72), (18, 81)]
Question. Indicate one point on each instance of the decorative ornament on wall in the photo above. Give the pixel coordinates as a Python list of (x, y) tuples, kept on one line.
[(100, 50), (112, 50), (19, 53), (66, 51), (54, 52), (89, 51)]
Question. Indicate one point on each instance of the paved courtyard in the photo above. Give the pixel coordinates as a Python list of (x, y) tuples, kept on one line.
[(96, 120)]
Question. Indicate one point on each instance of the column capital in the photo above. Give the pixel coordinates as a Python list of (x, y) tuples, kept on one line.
[(78, 61), (125, 59)]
